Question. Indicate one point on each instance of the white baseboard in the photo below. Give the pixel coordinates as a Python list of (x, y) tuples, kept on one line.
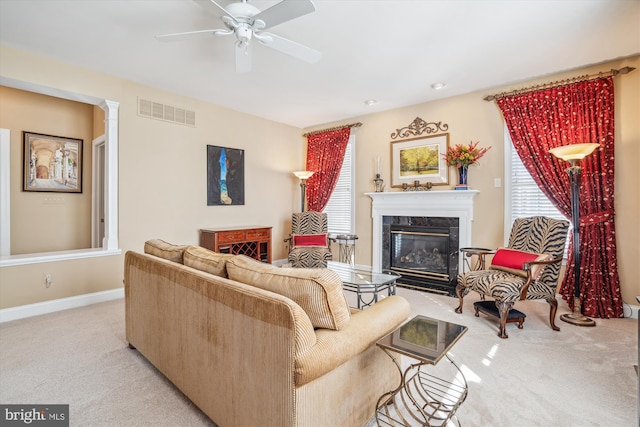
[(29, 310)]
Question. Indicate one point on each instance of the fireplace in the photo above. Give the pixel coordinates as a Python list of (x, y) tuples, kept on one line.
[(423, 250), (444, 216)]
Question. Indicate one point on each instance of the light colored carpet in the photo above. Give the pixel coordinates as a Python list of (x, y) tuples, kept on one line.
[(537, 377)]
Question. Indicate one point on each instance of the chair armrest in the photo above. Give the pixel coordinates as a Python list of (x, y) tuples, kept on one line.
[(527, 267), (481, 253)]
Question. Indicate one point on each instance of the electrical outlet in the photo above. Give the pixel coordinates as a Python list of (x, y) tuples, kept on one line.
[(47, 280)]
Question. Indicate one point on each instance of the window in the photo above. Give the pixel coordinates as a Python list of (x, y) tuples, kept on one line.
[(340, 207), (522, 196)]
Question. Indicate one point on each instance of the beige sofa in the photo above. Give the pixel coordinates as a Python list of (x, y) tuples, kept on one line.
[(247, 349)]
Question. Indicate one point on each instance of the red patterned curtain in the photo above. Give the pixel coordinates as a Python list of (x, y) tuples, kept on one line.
[(571, 114), (325, 153)]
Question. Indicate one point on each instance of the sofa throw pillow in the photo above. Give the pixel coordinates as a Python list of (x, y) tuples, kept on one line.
[(317, 290), (162, 249), (512, 261), (205, 260), (310, 240)]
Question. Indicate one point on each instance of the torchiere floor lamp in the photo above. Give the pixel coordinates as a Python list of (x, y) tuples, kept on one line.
[(574, 154), (303, 176)]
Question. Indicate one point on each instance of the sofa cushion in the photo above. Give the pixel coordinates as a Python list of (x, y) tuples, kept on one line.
[(205, 260), (318, 291), (162, 249), (512, 261)]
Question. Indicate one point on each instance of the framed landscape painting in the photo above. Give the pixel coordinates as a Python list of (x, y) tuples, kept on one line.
[(51, 163), (225, 176), (420, 159)]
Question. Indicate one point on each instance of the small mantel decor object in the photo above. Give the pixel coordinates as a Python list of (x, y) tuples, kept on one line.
[(574, 154), (462, 156), (417, 186), (378, 181)]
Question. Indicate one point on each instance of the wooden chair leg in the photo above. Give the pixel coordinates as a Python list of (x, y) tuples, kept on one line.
[(503, 309), (552, 313), (460, 292)]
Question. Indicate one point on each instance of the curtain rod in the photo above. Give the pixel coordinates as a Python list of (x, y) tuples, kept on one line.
[(625, 70), (315, 132)]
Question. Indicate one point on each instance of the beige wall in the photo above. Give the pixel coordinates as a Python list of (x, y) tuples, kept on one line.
[(162, 172), (47, 221), (162, 177), (470, 118)]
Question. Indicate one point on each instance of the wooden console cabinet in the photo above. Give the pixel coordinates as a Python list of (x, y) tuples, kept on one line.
[(250, 241)]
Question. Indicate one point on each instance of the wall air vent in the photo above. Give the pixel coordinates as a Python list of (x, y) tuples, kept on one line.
[(167, 113)]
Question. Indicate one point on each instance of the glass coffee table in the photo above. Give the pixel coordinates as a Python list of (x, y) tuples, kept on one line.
[(366, 283), (423, 398)]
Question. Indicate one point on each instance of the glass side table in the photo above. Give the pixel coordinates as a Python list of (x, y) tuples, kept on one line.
[(423, 398), (480, 261), (366, 283), (347, 248)]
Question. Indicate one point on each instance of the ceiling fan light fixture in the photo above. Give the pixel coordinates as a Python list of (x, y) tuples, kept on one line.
[(244, 33), (437, 86), (242, 10), (247, 21)]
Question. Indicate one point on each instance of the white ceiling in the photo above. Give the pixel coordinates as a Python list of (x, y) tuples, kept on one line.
[(391, 51)]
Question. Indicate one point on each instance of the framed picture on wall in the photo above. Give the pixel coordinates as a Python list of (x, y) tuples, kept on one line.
[(51, 163), (420, 159), (225, 176)]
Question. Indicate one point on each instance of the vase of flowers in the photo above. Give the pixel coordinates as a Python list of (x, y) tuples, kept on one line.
[(462, 174), (462, 156)]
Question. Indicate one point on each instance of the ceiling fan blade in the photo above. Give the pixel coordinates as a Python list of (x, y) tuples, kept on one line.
[(203, 34), (291, 48), (284, 11), (213, 7), (243, 57)]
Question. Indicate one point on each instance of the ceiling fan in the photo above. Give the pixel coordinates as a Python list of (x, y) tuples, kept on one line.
[(247, 22)]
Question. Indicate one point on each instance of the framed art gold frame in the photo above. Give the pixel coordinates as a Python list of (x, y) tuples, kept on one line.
[(51, 163), (420, 160)]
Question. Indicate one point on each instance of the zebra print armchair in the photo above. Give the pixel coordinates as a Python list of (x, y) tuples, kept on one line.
[(527, 270), (309, 243)]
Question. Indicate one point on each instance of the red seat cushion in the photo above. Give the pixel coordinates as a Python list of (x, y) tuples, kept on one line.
[(307, 240), (512, 261)]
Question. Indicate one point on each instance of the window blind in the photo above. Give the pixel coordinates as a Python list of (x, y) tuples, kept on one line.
[(340, 207), (524, 198)]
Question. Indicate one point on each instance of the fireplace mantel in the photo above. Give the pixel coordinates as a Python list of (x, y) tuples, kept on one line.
[(442, 203)]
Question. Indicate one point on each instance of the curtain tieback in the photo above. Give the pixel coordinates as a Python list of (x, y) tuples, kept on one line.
[(596, 218)]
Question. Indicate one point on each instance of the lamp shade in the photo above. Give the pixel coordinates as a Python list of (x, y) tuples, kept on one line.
[(303, 174), (574, 151)]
